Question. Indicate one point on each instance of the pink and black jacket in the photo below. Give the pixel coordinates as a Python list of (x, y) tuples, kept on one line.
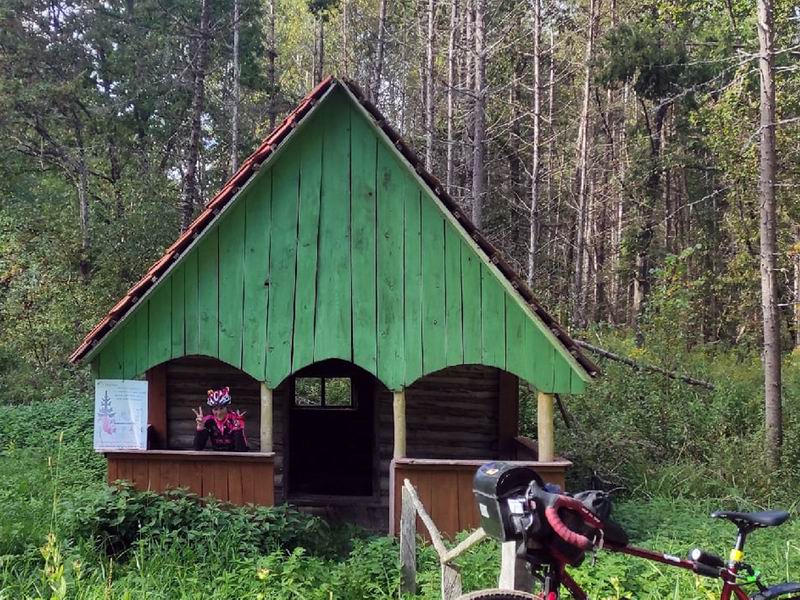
[(226, 435)]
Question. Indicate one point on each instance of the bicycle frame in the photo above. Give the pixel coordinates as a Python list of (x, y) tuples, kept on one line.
[(730, 589)]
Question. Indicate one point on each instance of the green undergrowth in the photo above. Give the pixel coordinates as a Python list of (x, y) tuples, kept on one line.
[(179, 548), (678, 452), (655, 436)]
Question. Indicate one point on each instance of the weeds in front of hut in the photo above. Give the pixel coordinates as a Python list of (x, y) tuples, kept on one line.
[(179, 548)]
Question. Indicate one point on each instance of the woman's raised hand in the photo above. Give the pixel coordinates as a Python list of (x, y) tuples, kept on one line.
[(198, 416)]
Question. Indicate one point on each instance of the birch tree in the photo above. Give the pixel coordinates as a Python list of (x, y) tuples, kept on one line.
[(190, 197), (237, 76), (429, 83), (479, 117), (768, 236), (537, 108), (582, 173), (451, 82)]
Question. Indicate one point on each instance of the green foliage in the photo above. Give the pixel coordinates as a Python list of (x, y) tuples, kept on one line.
[(647, 54), (119, 517), (663, 437)]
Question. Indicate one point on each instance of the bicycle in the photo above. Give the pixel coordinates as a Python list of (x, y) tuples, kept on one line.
[(555, 530)]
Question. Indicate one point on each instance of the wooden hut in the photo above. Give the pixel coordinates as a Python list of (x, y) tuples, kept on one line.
[(369, 330)]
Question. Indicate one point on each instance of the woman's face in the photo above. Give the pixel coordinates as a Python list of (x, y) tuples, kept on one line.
[(220, 412)]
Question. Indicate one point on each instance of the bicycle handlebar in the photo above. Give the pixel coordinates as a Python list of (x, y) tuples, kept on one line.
[(565, 533)]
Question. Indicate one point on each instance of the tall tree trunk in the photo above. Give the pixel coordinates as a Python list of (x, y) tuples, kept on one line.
[(83, 202), (319, 49), (518, 189), (580, 259), (646, 209), (767, 231), (80, 172), (237, 76), (616, 240), (272, 54), (551, 141), (669, 212), (796, 297), (345, 39), (451, 81), (479, 118), (537, 104), (190, 190), (468, 84), (429, 80), (375, 88)]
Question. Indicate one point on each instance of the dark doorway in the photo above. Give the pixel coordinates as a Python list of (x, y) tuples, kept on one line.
[(331, 431)]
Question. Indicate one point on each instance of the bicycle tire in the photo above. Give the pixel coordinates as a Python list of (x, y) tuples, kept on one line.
[(496, 594), (782, 591)]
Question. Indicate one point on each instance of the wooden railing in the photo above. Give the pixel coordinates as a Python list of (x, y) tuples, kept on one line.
[(235, 477), (514, 574), (412, 510), (445, 488)]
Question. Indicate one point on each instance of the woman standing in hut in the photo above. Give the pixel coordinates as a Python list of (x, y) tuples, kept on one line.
[(225, 428)]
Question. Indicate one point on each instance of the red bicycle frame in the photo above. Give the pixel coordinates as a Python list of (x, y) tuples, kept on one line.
[(730, 589)]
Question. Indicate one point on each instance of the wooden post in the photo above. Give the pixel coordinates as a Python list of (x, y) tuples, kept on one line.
[(451, 582), (399, 424), (266, 418), (545, 427), (157, 406), (508, 413), (408, 544), (514, 571)]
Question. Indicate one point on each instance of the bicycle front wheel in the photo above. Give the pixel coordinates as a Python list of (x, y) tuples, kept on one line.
[(498, 595), (782, 591)]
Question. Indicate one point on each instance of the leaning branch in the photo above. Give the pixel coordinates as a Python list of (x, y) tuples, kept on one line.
[(643, 366)]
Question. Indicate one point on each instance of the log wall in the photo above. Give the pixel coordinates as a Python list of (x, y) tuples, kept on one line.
[(188, 381), (450, 414), (453, 414)]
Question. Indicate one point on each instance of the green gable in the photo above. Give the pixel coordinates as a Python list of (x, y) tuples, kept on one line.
[(336, 249)]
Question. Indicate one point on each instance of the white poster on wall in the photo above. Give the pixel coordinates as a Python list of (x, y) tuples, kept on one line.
[(120, 414)]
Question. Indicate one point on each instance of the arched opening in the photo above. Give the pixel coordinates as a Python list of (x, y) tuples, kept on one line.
[(331, 446), (187, 381)]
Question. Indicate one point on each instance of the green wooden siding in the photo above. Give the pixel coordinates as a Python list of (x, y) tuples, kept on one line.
[(335, 250), (333, 335), (231, 284), (256, 273)]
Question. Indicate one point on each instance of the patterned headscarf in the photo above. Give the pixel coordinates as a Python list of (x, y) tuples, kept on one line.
[(219, 397)]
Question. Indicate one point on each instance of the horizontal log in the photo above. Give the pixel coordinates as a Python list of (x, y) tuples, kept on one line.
[(639, 366), (189, 455), (457, 392), (184, 443), (454, 451), (438, 423)]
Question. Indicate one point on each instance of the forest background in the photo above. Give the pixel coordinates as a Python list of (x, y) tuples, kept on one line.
[(609, 147)]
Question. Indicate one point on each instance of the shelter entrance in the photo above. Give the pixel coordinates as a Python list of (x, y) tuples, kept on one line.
[(331, 445)]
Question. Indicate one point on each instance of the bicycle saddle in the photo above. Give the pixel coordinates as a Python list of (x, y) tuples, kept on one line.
[(752, 520)]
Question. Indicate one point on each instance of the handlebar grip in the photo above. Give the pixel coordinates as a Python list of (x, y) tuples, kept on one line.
[(706, 570), (564, 532)]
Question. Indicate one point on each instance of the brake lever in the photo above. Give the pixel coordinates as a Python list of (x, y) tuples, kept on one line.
[(597, 545)]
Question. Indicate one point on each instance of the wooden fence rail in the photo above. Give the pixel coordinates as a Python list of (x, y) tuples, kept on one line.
[(514, 570), (451, 577)]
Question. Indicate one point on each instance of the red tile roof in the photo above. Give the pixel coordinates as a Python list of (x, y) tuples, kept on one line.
[(249, 168)]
